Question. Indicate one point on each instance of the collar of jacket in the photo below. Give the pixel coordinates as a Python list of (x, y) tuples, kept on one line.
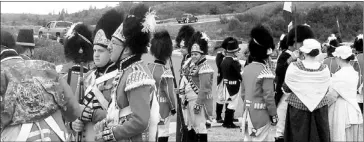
[(160, 62), (8, 53), (126, 62)]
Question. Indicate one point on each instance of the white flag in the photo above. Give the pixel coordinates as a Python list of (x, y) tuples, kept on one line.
[(287, 6)]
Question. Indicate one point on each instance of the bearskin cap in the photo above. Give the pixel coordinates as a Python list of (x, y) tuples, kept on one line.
[(78, 45), (7, 39), (108, 23), (358, 43), (161, 45), (135, 39), (200, 40), (283, 42), (261, 40), (184, 34), (303, 32)]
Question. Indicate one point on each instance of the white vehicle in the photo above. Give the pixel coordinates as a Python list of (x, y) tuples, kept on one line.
[(54, 30)]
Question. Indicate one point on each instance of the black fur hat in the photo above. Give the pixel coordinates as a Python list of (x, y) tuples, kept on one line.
[(78, 45), (135, 39), (161, 45), (201, 40), (7, 39), (303, 32), (358, 43), (184, 34), (261, 40), (108, 23)]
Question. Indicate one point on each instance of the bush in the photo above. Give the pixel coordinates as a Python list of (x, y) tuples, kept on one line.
[(224, 20), (234, 24), (49, 50)]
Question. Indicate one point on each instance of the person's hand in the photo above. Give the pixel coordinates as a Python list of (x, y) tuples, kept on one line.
[(197, 108), (274, 120), (99, 126), (173, 111), (98, 137), (77, 125)]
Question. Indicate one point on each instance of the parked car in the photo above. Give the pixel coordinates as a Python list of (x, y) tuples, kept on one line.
[(187, 18), (54, 30)]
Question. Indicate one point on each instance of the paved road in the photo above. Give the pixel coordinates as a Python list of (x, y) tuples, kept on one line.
[(199, 22)]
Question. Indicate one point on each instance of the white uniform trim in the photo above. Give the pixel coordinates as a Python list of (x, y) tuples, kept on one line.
[(25, 44), (24, 131)]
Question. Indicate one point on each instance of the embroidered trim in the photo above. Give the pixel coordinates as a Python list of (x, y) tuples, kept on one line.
[(87, 114), (167, 74), (300, 65), (205, 68), (108, 134), (138, 78), (266, 73)]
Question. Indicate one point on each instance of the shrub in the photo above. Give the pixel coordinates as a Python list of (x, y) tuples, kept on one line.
[(223, 20), (49, 50), (234, 24)]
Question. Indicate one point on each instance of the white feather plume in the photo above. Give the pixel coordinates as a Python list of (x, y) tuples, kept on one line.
[(360, 36), (149, 22), (205, 37)]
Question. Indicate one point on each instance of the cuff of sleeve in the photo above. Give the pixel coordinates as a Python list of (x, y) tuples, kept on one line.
[(87, 114), (108, 135)]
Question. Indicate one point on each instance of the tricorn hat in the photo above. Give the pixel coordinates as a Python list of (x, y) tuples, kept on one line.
[(230, 44), (25, 38)]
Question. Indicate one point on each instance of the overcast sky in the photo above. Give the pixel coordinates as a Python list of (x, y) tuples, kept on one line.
[(49, 7)]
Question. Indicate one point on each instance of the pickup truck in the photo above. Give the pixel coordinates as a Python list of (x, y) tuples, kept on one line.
[(54, 30), (187, 18)]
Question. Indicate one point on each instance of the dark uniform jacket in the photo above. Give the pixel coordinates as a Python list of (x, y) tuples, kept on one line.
[(219, 57), (164, 83), (231, 69), (281, 70)]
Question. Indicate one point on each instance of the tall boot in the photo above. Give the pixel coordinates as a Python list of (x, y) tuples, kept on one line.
[(163, 139), (191, 135), (219, 108), (228, 123), (201, 138)]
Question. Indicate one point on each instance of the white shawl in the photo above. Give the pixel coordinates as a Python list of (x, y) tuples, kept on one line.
[(309, 87), (345, 82)]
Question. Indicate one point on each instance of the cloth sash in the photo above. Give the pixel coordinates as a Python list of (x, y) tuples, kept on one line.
[(309, 87), (26, 129), (93, 87)]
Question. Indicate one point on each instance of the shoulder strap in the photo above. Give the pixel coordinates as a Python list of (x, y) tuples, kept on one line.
[(24, 131), (69, 76)]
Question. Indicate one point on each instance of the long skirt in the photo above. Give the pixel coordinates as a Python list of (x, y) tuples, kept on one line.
[(281, 112), (306, 126)]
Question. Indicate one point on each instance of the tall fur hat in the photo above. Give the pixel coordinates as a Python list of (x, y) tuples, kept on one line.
[(198, 42), (106, 26), (136, 29), (184, 35), (358, 43), (161, 45), (78, 45), (7, 39), (303, 32), (261, 41)]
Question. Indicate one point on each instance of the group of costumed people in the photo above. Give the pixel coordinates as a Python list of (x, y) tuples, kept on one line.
[(106, 92)]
